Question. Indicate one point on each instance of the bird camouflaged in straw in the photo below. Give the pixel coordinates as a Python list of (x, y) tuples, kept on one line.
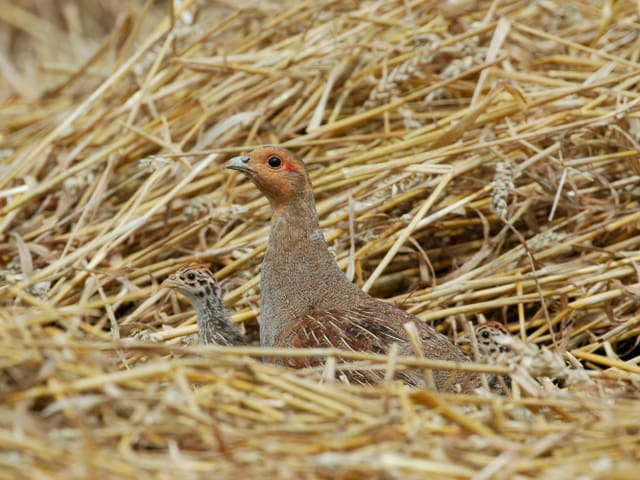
[(197, 283), (307, 301), (493, 340)]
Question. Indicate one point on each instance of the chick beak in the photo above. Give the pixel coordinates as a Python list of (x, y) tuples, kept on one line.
[(239, 163), (169, 282)]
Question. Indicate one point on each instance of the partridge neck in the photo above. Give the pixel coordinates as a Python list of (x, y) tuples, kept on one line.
[(299, 273), (209, 308), (211, 319)]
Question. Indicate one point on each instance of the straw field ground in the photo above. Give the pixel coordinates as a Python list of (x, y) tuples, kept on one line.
[(472, 161)]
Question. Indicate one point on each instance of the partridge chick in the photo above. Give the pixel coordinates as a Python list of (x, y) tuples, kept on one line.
[(493, 340), (196, 282), (307, 301)]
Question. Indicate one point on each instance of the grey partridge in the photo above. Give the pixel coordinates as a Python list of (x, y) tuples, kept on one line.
[(307, 301), (197, 283)]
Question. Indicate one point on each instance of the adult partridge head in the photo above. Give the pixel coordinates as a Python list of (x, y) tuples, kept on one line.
[(278, 173), (197, 283)]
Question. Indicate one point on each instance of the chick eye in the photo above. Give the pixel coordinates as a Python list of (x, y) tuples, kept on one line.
[(274, 162), (191, 276), (485, 334)]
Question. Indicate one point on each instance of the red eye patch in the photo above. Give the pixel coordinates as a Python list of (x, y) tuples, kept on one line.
[(288, 167)]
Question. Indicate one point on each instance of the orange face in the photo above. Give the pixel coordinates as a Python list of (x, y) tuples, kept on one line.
[(279, 174)]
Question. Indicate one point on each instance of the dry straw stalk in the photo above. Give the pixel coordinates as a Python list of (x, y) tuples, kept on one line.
[(472, 161)]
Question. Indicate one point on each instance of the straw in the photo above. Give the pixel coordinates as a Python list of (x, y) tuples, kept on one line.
[(471, 162)]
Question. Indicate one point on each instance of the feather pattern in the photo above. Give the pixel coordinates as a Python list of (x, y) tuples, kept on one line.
[(197, 283)]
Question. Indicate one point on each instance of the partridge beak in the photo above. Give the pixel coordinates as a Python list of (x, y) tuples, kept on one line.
[(169, 282), (239, 163)]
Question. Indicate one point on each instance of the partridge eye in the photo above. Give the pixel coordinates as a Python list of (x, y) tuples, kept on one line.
[(485, 334), (274, 162), (191, 276)]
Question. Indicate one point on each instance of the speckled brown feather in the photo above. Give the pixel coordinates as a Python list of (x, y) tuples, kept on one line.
[(197, 283), (491, 343), (488, 335), (364, 329), (306, 299)]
